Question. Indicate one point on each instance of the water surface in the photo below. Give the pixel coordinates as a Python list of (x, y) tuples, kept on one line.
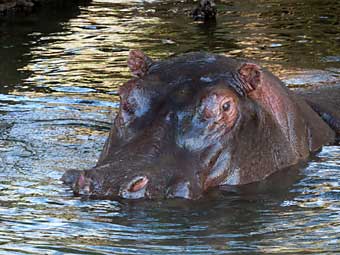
[(60, 72)]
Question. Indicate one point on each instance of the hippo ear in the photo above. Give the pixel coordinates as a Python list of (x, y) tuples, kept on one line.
[(138, 63), (250, 75)]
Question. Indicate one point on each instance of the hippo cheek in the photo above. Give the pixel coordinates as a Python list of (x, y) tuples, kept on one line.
[(135, 189), (219, 171)]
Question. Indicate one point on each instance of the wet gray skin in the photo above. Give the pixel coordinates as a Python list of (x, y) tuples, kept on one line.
[(198, 121)]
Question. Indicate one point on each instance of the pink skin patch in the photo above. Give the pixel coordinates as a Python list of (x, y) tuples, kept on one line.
[(81, 181), (216, 116), (221, 105), (83, 185)]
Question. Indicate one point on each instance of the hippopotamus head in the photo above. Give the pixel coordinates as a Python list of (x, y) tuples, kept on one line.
[(198, 121)]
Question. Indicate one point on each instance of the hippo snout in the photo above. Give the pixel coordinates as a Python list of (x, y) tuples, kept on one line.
[(135, 186), (87, 183)]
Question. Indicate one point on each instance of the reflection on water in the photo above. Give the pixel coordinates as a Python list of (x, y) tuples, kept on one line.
[(58, 92)]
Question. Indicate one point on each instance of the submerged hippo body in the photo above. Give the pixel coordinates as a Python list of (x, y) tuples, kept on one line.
[(198, 121)]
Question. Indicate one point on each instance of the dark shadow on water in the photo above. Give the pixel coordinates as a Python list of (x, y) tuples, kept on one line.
[(19, 33)]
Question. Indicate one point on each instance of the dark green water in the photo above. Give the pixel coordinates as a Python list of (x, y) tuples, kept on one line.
[(59, 73)]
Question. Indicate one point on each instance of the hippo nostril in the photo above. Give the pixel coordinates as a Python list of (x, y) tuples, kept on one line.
[(135, 189), (80, 184), (138, 184)]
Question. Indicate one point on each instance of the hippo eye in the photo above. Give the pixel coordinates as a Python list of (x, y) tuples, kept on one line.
[(128, 107), (226, 106)]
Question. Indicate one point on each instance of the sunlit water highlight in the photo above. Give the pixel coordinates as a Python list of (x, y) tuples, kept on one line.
[(58, 93)]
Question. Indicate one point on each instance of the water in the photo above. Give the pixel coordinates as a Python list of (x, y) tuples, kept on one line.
[(60, 71)]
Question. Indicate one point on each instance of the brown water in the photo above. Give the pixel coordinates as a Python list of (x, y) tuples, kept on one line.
[(59, 73)]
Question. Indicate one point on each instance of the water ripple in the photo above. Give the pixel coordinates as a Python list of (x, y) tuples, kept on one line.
[(58, 95)]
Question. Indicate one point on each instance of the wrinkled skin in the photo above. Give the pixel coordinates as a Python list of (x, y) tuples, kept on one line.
[(198, 121)]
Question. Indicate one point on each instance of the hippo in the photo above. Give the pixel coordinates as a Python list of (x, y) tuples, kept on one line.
[(199, 121), (205, 11)]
